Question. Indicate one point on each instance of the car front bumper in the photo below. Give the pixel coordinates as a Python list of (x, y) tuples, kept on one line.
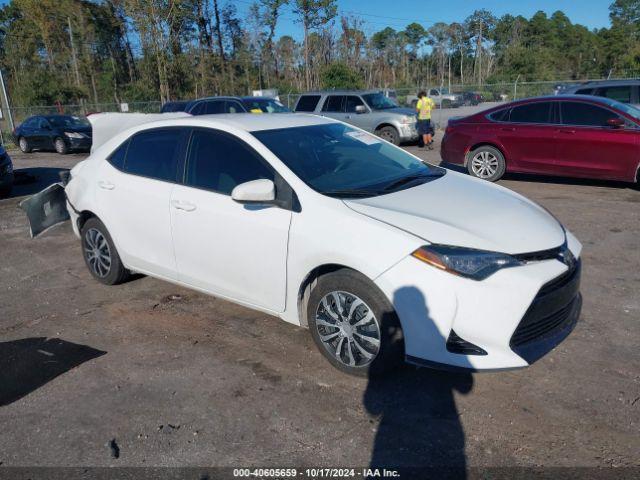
[(78, 143), (408, 132), (509, 317)]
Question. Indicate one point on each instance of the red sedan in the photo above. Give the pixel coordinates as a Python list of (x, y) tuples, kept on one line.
[(566, 135)]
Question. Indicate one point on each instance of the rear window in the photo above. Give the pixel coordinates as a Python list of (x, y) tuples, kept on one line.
[(153, 154), (307, 103), (539, 112)]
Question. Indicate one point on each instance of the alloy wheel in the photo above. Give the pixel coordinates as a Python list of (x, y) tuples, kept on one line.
[(484, 164), (23, 144), (97, 252), (60, 146), (348, 328)]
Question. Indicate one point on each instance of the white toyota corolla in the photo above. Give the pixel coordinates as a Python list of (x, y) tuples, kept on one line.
[(382, 256)]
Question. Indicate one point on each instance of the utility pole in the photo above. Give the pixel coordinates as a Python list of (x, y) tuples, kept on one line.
[(6, 101)]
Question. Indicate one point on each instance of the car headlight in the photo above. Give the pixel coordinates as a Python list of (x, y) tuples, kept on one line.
[(466, 262), (408, 120), (74, 135)]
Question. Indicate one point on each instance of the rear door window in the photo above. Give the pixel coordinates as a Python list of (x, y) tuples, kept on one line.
[(198, 109), (155, 154), (117, 157), (333, 103), (219, 161), (232, 106), (539, 112), (307, 103), (500, 115), (585, 114), (214, 107), (620, 93)]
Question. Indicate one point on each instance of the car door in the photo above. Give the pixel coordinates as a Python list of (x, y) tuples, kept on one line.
[(590, 147), (333, 107), (134, 194), (27, 128), (224, 247), (362, 120), (36, 133), (45, 134), (529, 137)]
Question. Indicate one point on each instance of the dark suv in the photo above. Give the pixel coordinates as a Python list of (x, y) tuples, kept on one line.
[(625, 91), (213, 105)]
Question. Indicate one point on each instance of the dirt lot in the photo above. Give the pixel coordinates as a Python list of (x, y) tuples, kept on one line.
[(176, 378)]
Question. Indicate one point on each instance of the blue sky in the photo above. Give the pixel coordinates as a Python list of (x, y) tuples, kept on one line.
[(379, 14)]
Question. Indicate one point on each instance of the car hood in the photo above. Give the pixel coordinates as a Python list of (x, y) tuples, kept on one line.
[(86, 130), (399, 110), (461, 211)]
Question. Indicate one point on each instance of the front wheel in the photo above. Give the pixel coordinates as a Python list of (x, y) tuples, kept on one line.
[(60, 146), (390, 134), (487, 163), (100, 254), (23, 143), (353, 324)]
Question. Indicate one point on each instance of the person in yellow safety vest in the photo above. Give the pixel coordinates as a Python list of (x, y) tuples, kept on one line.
[(424, 107)]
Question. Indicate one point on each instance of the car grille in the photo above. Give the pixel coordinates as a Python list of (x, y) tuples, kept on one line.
[(552, 309)]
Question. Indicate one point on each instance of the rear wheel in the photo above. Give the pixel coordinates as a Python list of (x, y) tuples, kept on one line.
[(60, 146), (100, 254), (353, 324), (487, 163), (390, 134), (23, 143)]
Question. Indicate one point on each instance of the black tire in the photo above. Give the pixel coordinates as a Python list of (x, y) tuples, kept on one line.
[(390, 134), (116, 272), (492, 155), (61, 146), (23, 144), (390, 352)]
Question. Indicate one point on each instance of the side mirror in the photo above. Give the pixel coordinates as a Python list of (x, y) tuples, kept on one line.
[(255, 191), (361, 109), (615, 122)]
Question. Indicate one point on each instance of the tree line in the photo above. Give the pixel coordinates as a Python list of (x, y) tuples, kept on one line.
[(104, 51)]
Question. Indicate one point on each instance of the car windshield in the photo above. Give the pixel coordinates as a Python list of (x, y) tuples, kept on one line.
[(377, 101), (339, 161), (264, 105), (64, 121)]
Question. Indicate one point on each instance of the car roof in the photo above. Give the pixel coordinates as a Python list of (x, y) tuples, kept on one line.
[(252, 122), (582, 98), (342, 92), (605, 83)]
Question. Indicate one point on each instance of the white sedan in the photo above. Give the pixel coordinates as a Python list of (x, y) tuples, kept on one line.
[(383, 257)]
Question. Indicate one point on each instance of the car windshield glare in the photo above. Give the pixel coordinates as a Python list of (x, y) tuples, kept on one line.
[(340, 161), (377, 101)]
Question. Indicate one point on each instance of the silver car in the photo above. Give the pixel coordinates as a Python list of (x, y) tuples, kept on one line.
[(625, 91), (370, 110)]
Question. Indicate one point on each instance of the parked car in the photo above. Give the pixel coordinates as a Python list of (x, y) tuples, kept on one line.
[(6, 173), (62, 133), (381, 256), (625, 91), (472, 98), (215, 105), (370, 110), (568, 135), (441, 96)]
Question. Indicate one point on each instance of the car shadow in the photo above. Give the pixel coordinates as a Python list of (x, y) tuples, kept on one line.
[(419, 424), (29, 363), (28, 181), (548, 179)]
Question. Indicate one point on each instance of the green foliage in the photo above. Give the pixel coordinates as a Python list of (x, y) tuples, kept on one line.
[(338, 76)]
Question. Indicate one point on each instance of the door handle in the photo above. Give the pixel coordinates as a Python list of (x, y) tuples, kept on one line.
[(106, 185), (180, 205), (508, 129)]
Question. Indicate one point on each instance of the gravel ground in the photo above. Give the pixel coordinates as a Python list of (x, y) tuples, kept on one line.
[(165, 376)]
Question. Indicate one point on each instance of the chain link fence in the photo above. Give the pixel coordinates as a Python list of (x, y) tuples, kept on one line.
[(450, 101)]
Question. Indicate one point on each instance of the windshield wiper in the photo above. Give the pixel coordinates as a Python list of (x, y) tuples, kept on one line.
[(408, 179), (351, 193)]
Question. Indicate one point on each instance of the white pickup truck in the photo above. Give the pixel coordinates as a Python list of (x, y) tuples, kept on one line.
[(441, 96)]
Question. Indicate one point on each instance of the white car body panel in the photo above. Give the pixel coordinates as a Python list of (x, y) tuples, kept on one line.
[(261, 256)]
